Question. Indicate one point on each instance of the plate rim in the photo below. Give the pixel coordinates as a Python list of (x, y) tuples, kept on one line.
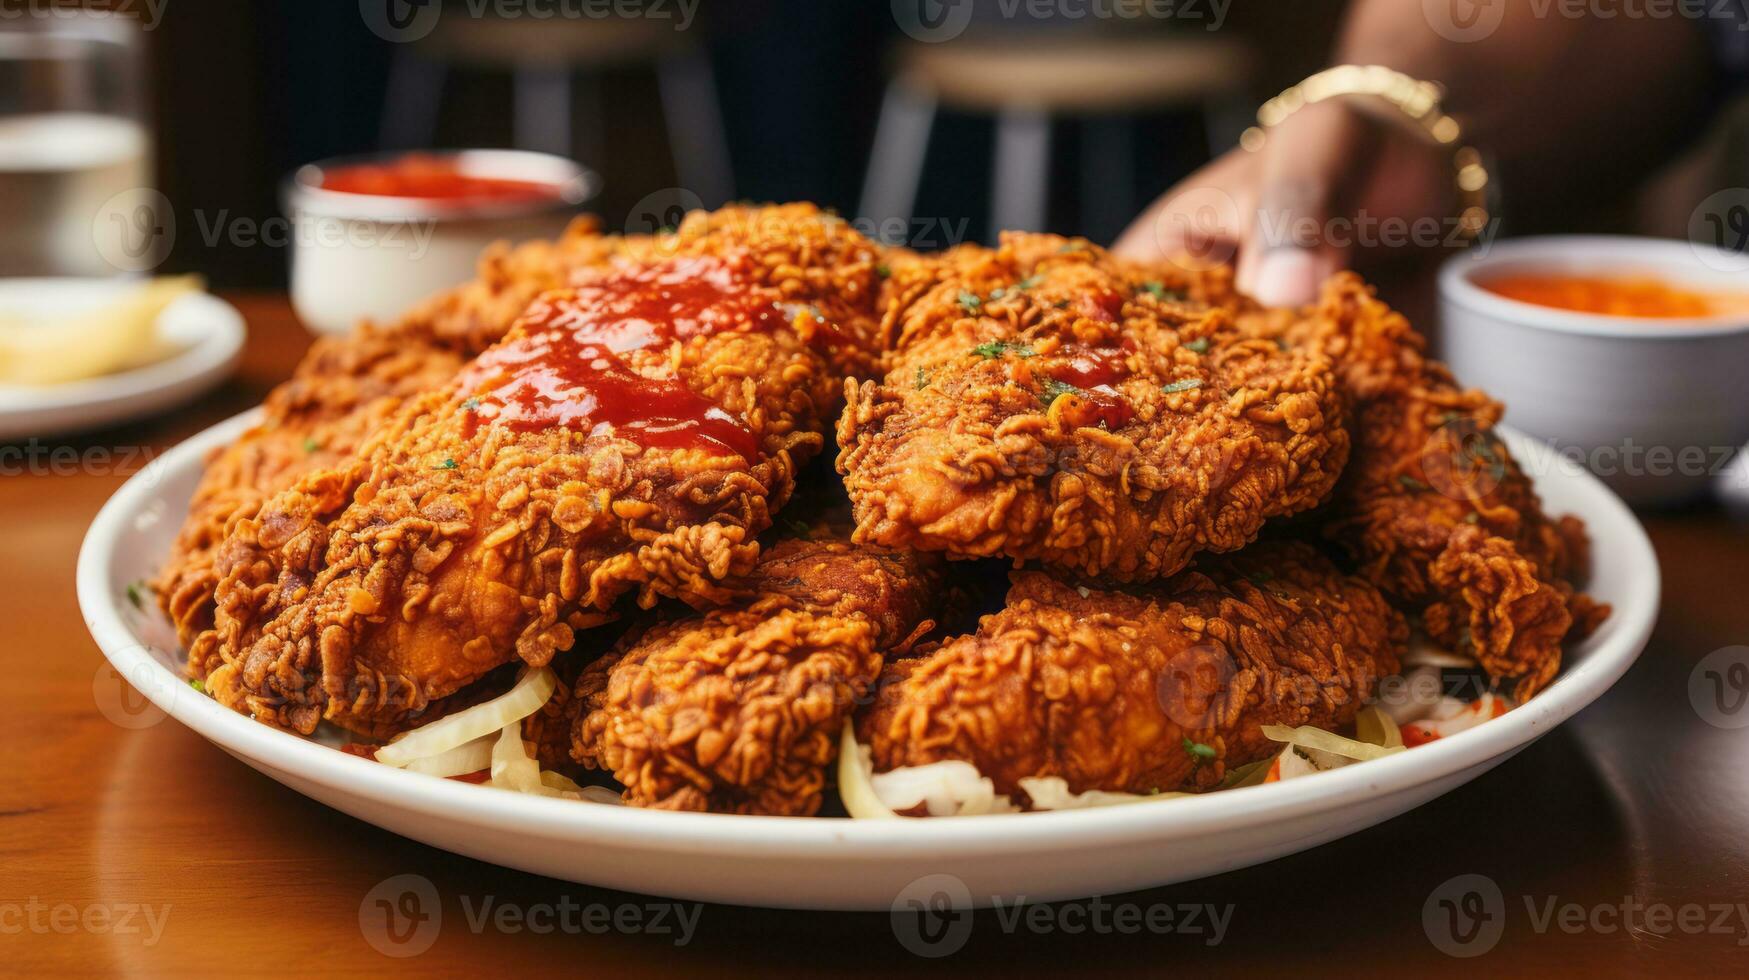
[(841, 839)]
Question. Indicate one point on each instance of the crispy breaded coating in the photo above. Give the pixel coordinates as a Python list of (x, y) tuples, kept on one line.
[(462, 534), (1046, 403), (347, 387), (1433, 506), (739, 710), (1104, 688)]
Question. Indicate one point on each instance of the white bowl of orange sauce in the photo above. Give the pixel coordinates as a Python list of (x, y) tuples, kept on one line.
[(1629, 355), (373, 235)]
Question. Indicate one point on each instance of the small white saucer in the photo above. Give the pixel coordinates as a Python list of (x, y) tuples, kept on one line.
[(206, 332)]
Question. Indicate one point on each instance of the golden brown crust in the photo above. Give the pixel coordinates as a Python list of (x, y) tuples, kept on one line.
[(442, 548), (1102, 688), (1433, 506), (990, 436), (739, 710)]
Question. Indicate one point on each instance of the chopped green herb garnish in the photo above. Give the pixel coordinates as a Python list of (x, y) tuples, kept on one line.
[(799, 529), (1472, 518), (970, 301), (1198, 346), (884, 271), (448, 464), (922, 379), (1449, 417), (197, 685), (997, 293), (1055, 389), (1198, 752), (667, 230), (471, 405), (1061, 304), (997, 348), (1282, 344), (1075, 246), (311, 445), (1410, 483), (1178, 386), (1027, 283), (135, 592), (1158, 290)]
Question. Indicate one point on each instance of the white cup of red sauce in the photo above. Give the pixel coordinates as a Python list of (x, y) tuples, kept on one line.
[(1629, 355), (374, 235)]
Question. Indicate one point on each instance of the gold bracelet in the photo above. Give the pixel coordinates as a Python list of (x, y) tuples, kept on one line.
[(1418, 100)]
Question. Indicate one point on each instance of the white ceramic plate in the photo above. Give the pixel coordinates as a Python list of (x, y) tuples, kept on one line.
[(206, 331), (839, 863)]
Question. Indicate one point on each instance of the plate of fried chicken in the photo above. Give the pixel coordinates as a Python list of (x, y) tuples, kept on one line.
[(758, 562)]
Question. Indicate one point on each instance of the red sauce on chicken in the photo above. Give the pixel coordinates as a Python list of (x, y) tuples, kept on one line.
[(565, 370), (1094, 370)]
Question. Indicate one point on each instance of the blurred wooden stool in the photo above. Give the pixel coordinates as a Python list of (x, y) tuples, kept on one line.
[(1024, 85), (545, 58)]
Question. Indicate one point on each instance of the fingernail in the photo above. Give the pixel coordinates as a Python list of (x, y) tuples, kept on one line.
[(1287, 277)]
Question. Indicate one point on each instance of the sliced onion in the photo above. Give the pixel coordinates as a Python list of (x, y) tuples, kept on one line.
[(1290, 764), (1423, 652), (513, 768), (945, 789), (600, 794), (530, 692), (1052, 793), (854, 772), (1377, 728), (1318, 743), (1413, 696), (459, 761)]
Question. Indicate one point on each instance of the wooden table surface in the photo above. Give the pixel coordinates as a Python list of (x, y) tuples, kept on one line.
[(1618, 843)]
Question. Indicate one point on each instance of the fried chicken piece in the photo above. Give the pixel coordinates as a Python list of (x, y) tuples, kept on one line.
[(347, 387), (1103, 689), (1045, 402), (633, 433), (1433, 507), (739, 710)]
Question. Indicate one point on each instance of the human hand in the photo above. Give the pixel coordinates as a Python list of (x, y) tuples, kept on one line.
[(1336, 183)]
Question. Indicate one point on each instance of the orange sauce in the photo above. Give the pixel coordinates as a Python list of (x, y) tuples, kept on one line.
[(1636, 296)]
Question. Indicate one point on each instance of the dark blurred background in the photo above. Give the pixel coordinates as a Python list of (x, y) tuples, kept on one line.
[(246, 92), (1067, 123)]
